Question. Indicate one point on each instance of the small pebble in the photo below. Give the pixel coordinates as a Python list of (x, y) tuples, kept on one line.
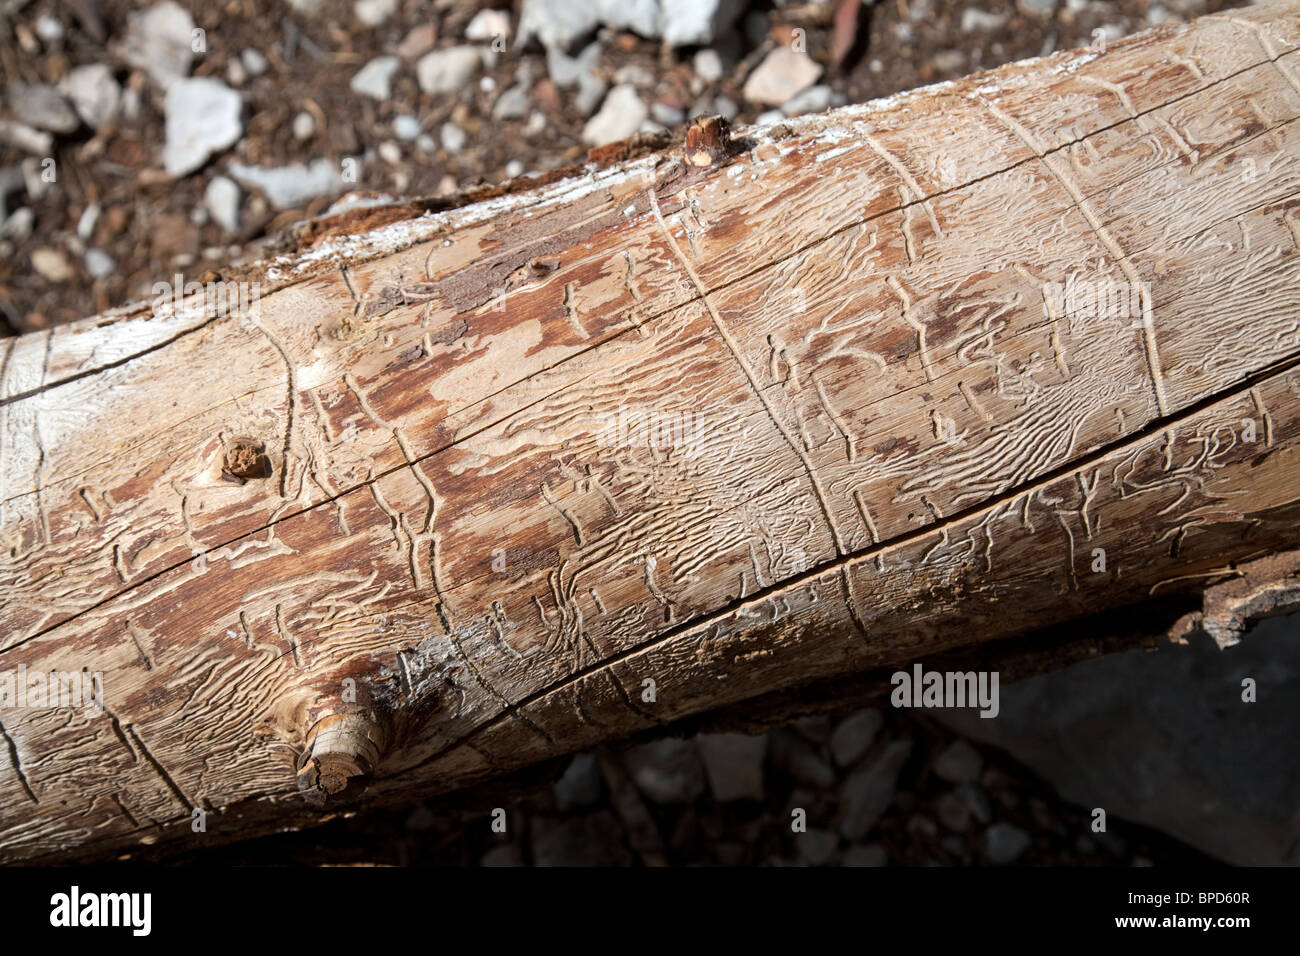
[(99, 264), (453, 137), (304, 126), (51, 265), (406, 127)]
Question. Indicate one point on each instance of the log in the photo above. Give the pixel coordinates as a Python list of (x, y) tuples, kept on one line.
[(426, 496)]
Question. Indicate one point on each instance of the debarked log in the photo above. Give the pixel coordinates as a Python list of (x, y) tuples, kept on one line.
[(428, 496)]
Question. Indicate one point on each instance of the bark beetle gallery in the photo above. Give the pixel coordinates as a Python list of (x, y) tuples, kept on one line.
[(772, 407)]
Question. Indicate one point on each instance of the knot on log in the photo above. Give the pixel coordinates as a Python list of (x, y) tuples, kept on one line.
[(245, 459), (342, 751), (708, 142)]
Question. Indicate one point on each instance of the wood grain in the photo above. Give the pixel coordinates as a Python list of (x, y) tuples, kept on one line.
[(876, 386)]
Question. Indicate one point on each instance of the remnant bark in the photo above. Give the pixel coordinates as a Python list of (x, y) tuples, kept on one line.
[(460, 491)]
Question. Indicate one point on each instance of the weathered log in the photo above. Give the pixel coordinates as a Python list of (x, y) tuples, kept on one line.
[(834, 396)]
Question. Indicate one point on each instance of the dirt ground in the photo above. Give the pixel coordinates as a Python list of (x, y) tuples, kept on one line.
[(151, 225)]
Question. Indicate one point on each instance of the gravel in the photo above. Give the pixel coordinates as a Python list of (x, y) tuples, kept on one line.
[(158, 41), (488, 25), (19, 225), (221, 197), (253, 61), (812, 100), (304, 126), (453, 137), (42, 107), (99, 264), (796, 756), (580, 786), (293, 185), (867, 792), (959, 763), (667, 771), (202, 119), (405, 127), (854, 735), (94, 93), (563, 23), (372, 13), (620, 115), (375, 79), (782, 74), (446, 71), (512, 104), (51, 265), (733, 764), (1005, 843)]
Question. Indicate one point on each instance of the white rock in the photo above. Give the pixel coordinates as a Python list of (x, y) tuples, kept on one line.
[(619, 117), (1039, 8), (304, 126), (222, 200), (781, 75), (453, 137), (26, 137), (51, 265), (973, 19), (253, 61), (42, 107), (487, 25), (375, 79), (561, 23), (667, 115), (390, 152), (158, 41), (36, 177), (406, 127), (87, 220), (536, 123), (511, 105), (99, 264), (446, 71), (812, 100), (202, 119), (49, 28), (707, 65), (289, 186), (634, 74), (514, 168), (19, 224), (696, 22), (565, 70), (374, 12)]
